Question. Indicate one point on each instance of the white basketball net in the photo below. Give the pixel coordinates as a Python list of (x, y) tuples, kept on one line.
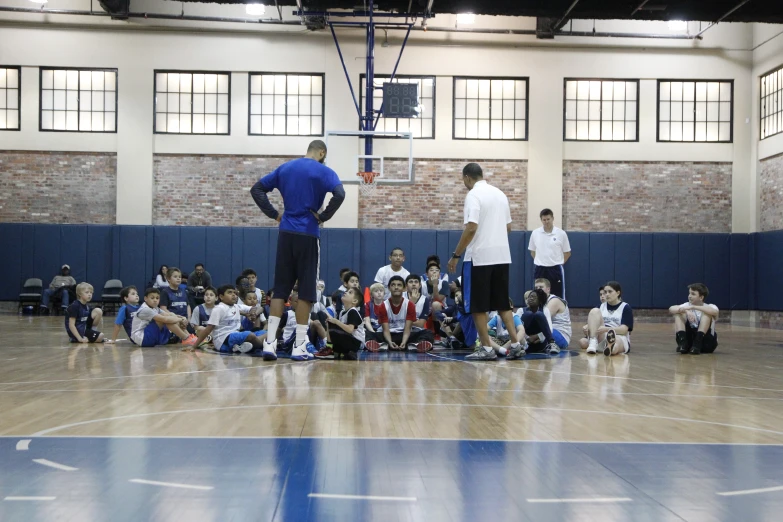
[(367, 182)]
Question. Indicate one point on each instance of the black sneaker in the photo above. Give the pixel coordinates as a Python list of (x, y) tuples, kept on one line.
[(351, 356), (682, 347)]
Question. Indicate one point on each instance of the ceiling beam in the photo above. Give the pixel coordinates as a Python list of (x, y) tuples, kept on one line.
[(560, 23), (719, 20), (639, 7)]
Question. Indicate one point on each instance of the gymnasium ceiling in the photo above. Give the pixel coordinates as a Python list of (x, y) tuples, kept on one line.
[(769, 11)]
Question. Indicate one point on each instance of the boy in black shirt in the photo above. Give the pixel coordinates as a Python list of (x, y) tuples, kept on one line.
[(80, 318)]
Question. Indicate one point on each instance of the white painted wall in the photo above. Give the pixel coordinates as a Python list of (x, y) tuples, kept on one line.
[(136, 53)]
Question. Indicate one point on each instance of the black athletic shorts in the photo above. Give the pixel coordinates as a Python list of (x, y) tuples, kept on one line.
[(485, 288), (298, 259), (709, 344)]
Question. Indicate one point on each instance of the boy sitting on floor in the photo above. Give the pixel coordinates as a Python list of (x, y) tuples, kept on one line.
[(252, 313), (130, 299), (174, 298), (346, 332), (153, 326), (80, 318), (694, 322), (224, 323), (397, 316), (286, 334), (373, 332)]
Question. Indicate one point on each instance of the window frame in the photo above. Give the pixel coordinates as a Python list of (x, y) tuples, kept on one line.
[(454, 106), (286, 73), (19, 98), (695, 81), (116, 72), (600, 121), (397, 76), (761, 103), (155, 73)]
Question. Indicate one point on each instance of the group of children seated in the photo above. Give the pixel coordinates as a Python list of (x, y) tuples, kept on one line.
[(404, 312)]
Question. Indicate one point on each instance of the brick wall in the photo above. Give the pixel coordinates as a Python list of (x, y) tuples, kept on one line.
[(646, 196), (771, 189), (210, 189), (435, 200), (58, 187)]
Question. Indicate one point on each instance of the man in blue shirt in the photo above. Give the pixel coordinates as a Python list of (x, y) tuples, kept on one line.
[(303, 183)]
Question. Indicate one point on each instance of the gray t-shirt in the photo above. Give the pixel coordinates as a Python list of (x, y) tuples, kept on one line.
[(140, 321)]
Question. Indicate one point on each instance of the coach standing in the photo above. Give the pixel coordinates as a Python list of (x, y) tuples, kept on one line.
[(485, 269), (550, 250), (303, 183)]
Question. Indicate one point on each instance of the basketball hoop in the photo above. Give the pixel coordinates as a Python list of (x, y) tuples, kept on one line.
[(367, 182)]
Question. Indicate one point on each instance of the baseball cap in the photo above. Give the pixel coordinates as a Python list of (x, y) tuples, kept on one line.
[(65, 266)]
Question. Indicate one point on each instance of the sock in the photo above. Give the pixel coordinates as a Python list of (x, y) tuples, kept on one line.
[(271, 329), (541, 337), (487, 348), (301, 334)]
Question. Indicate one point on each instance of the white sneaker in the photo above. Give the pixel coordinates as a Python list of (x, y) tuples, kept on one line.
[(243, 348), (300, 353), (269, 353), (384, 347), (592, 347)]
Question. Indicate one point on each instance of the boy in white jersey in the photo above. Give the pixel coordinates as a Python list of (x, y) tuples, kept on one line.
[(612, 324), (223, 326), (584, 342), (152, 326), (423, 304), (397, 316), (346, 332), (694, 322), (561, 316), (395, 268)]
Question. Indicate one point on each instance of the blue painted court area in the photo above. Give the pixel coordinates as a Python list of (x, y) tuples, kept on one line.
[(134, 479)]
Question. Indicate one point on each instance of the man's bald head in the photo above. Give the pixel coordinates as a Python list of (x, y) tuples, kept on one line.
[(317, 150)]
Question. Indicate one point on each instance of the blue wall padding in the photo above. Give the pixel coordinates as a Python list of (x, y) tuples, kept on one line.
[(654, 268)]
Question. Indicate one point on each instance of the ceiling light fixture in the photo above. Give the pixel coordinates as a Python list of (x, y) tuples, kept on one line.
[(466, 18), (255, 9), (39, 1), (678, 25)]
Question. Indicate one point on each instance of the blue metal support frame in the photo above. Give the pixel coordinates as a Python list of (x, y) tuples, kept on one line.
[(368, 118)]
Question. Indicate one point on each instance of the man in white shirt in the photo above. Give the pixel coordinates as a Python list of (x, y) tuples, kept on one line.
[(395, 268), (485, 269), (550, 250)]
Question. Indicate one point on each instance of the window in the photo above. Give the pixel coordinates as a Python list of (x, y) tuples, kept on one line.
[(695, 110), (421, 127), (10, 97), (192, 102), (601, 110), (78, 100), (490, 108), (771, 106), (286, 104)]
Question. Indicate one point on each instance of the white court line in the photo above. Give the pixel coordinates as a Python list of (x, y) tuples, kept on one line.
[(170, 484), (400, 404), (577, 500), (750, 491), (362, 497), (54, 465), (29, 498), (23, 445)]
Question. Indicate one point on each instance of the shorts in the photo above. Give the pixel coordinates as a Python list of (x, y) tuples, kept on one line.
[(485, 288), (298, 259), (560, 340), (343, 342), (237, 338), (155, 334), (710, 343), (90, 333), (624, 340)]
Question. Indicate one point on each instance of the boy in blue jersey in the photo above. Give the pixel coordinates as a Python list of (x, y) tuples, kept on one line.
[(80, 318), (174, 298), (303, 183), (130, 299), (200, 316)]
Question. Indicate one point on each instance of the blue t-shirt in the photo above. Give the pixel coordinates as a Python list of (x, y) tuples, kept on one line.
[(175, 301), (125, 317), (303, 183), (81, 312)]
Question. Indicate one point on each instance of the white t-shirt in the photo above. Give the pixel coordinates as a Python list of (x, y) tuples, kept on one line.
[(226, 320), (695, 319), (141, 320), (488, 207), (385, 273), (549, 247), (243, 309)]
